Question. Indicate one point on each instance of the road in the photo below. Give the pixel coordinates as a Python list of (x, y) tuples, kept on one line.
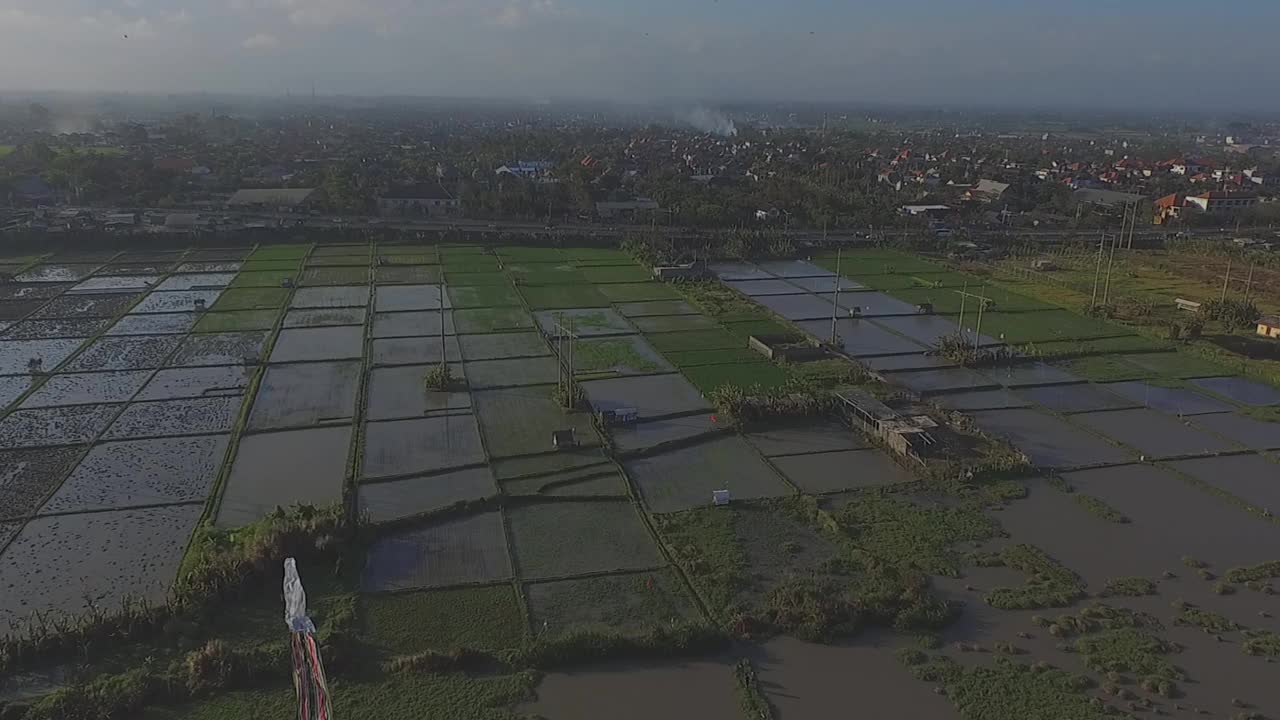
[(240, 218)]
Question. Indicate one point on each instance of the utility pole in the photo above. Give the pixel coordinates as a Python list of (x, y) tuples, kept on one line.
[(835, 303), (1226, 280), (1248, 284), (964, 297), (977, 333), (1106, 287), (444, 355), (1097, 273)]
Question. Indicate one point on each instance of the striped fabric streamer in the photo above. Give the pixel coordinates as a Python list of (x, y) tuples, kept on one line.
[(308, 671)]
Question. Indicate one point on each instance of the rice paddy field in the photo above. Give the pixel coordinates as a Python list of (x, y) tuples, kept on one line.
[(149, 398)]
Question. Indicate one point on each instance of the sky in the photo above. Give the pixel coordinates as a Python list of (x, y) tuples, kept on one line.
[(1153, 54)]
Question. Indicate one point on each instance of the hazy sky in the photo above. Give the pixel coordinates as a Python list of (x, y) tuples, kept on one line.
[(1136, 53)]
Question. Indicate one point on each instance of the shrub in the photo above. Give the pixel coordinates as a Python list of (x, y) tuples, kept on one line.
[(440, 378), (1232, 313)]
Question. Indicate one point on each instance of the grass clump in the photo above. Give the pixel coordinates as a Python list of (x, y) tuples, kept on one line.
[(1263, 571), (750, 697), (1262, 643), (1130, 650), (1009, 690), (1206, 620), (1099, 508), (486, 618), (1131, 586), (913, 536), (1049, 584)]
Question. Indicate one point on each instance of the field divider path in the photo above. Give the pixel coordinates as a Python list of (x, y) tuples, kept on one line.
[(242, 418), (633, 496), (40, 259), (517, 584), (355, 452), (44, 378)]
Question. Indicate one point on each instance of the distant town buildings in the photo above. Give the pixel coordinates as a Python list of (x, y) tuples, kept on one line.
[(283, 199), (626, 209), (422, 199)]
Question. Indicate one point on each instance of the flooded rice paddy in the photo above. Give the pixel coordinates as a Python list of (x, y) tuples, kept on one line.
[(144, 412)]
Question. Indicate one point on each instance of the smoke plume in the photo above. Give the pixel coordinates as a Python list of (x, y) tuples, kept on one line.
[(710, 121)]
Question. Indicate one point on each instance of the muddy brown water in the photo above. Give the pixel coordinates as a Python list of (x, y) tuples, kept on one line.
[(804, 680), (702, 689)]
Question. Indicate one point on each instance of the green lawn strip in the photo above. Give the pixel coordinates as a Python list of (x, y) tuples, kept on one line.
[(516, 253), (746, 328), (239, 320), (482, 296), (554, 275), (253, 266), (406, 274), (695, 340), (638, 292), (696, 358), (263, 278), (617, 274), (279, 252), (490, 320), (396, 696), (1179, 365), (470, 264), (251, 299), (335, 276), (392, 250), (1049, 584), (707, 378), (427, 257), (1009, 690), (453, 279), (338, 261), (461, 249), (627, 603), (1103, 368), (595, 355), (562, 297), (1099, 346), (482, 618), (1044, 326)]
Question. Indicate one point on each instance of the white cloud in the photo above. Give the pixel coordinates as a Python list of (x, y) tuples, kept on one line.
[(261, 41), (518, 12)]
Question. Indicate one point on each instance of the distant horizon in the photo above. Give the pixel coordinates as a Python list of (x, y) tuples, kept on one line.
[(8, 96), (1141, 56)]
